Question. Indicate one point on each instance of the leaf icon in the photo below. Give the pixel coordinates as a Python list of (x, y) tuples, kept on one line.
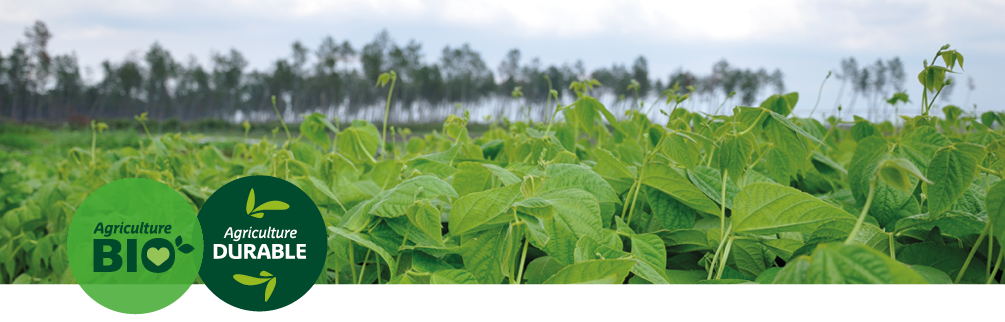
[(272, 205), (177, 241), (251, 202), (249, 280), (186, 248), (268, 288), (257, 212), (252, 281)]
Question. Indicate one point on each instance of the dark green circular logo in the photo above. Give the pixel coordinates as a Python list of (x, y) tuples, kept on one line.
[(265, 243), (135, 245)]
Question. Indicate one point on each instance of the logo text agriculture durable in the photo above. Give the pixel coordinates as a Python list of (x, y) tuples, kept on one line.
[(260, 230)]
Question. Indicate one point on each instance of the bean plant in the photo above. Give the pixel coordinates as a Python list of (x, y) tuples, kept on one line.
[(754, 195)]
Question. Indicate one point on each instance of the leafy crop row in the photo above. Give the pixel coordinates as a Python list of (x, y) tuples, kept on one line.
[(755, 196)]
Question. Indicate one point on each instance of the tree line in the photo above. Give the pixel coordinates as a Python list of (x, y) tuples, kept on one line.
[(334, 78)]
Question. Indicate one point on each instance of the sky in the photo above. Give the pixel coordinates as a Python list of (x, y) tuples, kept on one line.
[(805, 39)]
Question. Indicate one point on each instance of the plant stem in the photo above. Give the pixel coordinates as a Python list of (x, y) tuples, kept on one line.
[(819, 93), (147, 131), (639, 180), (553, 115), (362, 270), (387, 110), (725, 256), (718, 251), (94, 144), (991, 241), (989, 171), (991, 277), (722, 216), (893, 247), (624, 208), (861, 218), (523, 259), (987, 227), (352, 262), (274, 108), (752, 126), (378, 271)]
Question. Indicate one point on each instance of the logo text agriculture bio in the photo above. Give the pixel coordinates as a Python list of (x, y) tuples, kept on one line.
[(135, 245)]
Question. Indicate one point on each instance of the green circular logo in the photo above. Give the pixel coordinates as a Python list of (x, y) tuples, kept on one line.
[(265, 243), (135, 245)]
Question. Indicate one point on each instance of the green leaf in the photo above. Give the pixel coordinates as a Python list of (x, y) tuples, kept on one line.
[(538, 234), (365, 241), (537, 207), (398, 199), (452, 276), (788, 152), (673, 183), (687, 240), (837, 263), (766, 208), (427, 166), (932, 275), (472, 177), (682, 149), (586, 109), (541, 268), (504, 175), (402, 279), (749, 257), (734, 155), (313, 128), (588, 248), (956, 224), (425, 263), (482, 210), (869, 155), (359, 142), (563, 176), (610, 166), (781, 104), (672, 214), (920, 145), (651, 254), (447, 157), (483, 255), (952, 170), (577, 214), (767, 276), (948, 259), (795, 128), (864, 129), (605, 271), (783, 248), (838, 230), (709, 181), (424, 216), (321, 186), (726, 281), (896, 172)]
